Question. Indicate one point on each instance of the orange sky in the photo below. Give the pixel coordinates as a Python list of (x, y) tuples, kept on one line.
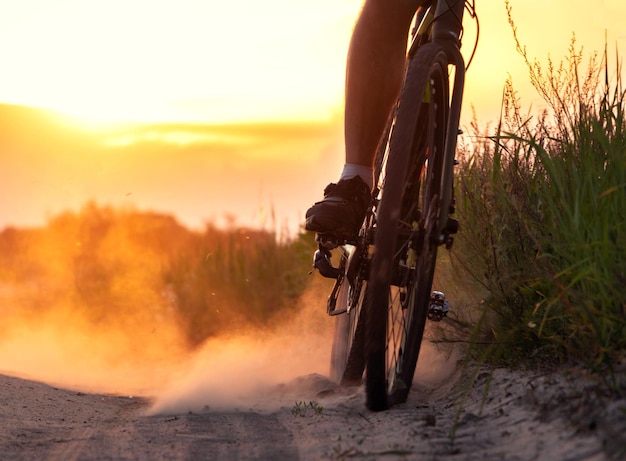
[(210, 61), (275, 62), (241, 171)]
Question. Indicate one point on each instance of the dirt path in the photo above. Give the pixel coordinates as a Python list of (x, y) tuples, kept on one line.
[(525, 417)]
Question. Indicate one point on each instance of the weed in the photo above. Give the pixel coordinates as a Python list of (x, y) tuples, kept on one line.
[(300, 408), (354, 449), (543, 203)]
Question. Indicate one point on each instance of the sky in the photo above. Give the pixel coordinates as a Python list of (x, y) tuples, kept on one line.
[(192, 60), (269, 73), (209, 61)]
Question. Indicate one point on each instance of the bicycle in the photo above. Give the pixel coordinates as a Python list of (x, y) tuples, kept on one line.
[(382, 294)]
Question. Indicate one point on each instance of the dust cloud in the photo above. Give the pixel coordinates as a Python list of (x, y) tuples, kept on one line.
[(262, 369), (65, 349), (231, 371), (246, 370)]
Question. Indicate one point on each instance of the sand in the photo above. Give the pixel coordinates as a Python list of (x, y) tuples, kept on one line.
[(495, 415)]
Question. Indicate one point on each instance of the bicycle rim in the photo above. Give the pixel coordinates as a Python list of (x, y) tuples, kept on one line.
[(403, 265)]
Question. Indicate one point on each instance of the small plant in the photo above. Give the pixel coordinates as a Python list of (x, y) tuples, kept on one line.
[(355, 449), (342, 452), (301, 408)]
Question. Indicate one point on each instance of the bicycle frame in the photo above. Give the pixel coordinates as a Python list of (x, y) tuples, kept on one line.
[(440, 22), (384, 280)]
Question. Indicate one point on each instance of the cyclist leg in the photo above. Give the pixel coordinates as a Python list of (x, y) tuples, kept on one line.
[(375, 68)]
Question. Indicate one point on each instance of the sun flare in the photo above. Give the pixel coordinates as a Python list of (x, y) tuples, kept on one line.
[(175, 61), (222, 62)]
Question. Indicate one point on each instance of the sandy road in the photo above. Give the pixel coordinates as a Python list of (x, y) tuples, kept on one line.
[(515, 422), (47, 423)]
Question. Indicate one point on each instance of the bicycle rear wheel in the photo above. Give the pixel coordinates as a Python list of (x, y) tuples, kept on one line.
[(348, 351), (406, 241)]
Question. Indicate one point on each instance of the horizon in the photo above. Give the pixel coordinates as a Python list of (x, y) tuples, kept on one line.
[(247, 174)]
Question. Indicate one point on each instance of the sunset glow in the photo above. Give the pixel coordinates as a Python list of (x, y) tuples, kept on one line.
[(217, 62), (186, 60), (244, 99)]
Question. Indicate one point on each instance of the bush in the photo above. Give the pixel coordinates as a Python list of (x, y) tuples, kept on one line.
[(226, 280), (125, 270), (543, 207)]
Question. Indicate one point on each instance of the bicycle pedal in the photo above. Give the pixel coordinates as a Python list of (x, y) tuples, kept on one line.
[(321, 262), (438, 307)]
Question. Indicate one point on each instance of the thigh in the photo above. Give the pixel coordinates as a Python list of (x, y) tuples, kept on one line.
[(393, 8)]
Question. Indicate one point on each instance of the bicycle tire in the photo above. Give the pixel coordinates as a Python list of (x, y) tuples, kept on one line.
[(348, 350), (348, 353), (403, 264)]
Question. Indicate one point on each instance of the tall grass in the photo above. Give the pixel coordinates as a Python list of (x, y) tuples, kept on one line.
[(228, 280), (543, 207), (122, 269)]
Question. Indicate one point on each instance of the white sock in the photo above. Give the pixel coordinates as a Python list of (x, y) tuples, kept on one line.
[(350, 170)]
